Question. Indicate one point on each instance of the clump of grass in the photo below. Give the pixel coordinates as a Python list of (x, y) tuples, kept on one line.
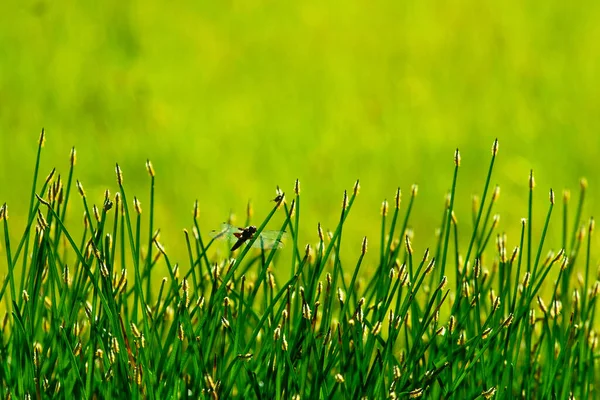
[(454, 322)]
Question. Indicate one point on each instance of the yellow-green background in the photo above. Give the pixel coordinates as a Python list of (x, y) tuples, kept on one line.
[(230, 98)]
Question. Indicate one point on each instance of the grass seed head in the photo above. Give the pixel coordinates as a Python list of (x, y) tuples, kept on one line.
[(340, 297), (566, 196), (595, 290), (409, 249), (42, 139), (320, 231), (526, 279), (80, 189), (488, 394), (475, 204), (542, 305), (430, 266), (495, 148), (180, 332), (137, 205), (96, 213), (356, 188), (384, 208), (414, 190), (531, 180), (196, 210), (119, 174), (73, 156), (457, 158), (442, 284), (496, 193), (284, 343), (486, 332), (150, 168), (514, 254), (376, 328)]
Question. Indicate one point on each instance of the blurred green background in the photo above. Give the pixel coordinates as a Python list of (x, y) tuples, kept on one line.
[(230, 98)]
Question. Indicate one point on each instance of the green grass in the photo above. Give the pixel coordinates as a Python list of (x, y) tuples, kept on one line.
[(469, 318), (214, 93)]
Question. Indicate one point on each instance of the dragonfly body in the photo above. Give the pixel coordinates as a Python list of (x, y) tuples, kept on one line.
[(239, 236), (243, 236)]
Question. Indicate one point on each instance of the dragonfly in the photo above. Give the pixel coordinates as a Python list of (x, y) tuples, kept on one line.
[(238, 236)]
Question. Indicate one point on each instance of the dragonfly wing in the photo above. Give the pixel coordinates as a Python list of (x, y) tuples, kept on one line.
[(227, 233), (269, 239)]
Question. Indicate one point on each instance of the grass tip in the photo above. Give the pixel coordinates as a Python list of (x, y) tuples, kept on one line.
[(41, 200), (415, 394), (345, 201), (297, 187), (566, 196), (414, 190), (150, 168), (119, 174), (384, 208), (137, 205), (583, 183), (398, 198), (196, 209), (495, 220), (42, 139), (364, 245), (531, 180), (486, 332), (356, 188), (491, 392), (409, 249), (508, 321), (443, 283), (542, 305), (496, 193), (526, 279), (551, 196), (430, 266), (73, 156), (50, 175), (495, 148), (457, 158), (80, 188)]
